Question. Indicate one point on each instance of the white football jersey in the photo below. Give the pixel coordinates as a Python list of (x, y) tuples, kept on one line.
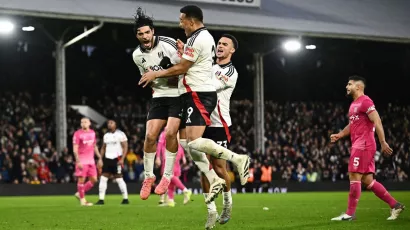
[(150, 59), (112, 142), (200, 49), (224, 80)]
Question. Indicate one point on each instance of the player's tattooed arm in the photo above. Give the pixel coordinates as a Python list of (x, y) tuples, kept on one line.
[(175, 70), (375, 118)]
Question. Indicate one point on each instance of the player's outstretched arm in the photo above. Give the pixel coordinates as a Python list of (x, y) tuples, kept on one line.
[(175, 70), (375, 118), (345, 132)]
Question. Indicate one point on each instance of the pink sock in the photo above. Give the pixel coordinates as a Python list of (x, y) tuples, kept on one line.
[(354, 195), (177, 182), (80, 189), (171, 189), (380, 191), (88, 186)]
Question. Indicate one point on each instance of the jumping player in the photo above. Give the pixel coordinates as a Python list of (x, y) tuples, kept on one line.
[(224, 78), (200, 97), (84, 147), (175, 181), (364, 120), (113, 151), (156, 53)]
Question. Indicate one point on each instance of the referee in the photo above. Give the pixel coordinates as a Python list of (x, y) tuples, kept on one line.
[(113, 152)]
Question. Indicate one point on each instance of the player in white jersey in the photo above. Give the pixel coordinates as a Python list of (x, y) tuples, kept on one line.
[(224, 79), (154, 54), (200, 98), (113, 152)]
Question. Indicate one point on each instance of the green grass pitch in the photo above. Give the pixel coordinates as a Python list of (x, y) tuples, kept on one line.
[(286, 211)]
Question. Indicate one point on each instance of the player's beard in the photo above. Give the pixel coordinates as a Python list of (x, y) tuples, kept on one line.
[(349, 95)]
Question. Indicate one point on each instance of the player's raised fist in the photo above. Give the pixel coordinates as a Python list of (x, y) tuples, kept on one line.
[(386, 148), (335, 137)]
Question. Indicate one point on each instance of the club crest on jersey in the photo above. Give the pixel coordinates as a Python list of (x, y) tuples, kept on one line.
[(161, 55), (355, 109), (143, 60)]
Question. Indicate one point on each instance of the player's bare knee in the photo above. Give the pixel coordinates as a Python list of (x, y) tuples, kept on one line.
[(171, 134), (93, 180), (150, 139)]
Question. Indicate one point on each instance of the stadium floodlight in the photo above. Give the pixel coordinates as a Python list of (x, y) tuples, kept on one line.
[(310, 47), (292, 45), (6, 27), (28, 28)]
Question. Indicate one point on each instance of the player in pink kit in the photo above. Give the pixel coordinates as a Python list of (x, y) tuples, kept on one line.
[(175, 181), (84, 147), (364, 120)]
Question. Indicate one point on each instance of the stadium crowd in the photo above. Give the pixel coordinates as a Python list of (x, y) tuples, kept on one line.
[(296, 139)]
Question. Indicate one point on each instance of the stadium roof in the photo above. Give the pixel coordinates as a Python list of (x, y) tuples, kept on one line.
[(355, 19)]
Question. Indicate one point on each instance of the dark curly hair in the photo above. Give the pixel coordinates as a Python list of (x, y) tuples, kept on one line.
[(141, 19)]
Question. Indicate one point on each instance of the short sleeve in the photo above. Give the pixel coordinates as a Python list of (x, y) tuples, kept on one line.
[(135, 57), (76, 139), (123, 137), (192, 50), (227, 80), (368, 106), (95, 138)]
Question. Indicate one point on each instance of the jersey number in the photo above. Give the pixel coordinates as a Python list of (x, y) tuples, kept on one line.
[(213, 53), (356, 161), (223, 143)]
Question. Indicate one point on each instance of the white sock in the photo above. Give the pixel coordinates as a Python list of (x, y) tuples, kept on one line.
[(169, 164), (210, 147), (202, 162), (211, 206), (227, 198), (123, 187), (162, 198), (185, 190), (184, 145), (149, 164), (102, 187)]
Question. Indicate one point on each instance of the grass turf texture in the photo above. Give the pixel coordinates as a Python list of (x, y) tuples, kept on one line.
[(286, 211)]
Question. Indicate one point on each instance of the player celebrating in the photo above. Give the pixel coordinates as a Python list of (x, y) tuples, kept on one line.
[(200, 98), (175, 181), (364, 120), (155, 53), (84, 147), (113, 151), (225, 77)]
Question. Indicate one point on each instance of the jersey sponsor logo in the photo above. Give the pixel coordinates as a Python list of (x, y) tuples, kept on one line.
[(353, 118), (88, 142), (155, 68)]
